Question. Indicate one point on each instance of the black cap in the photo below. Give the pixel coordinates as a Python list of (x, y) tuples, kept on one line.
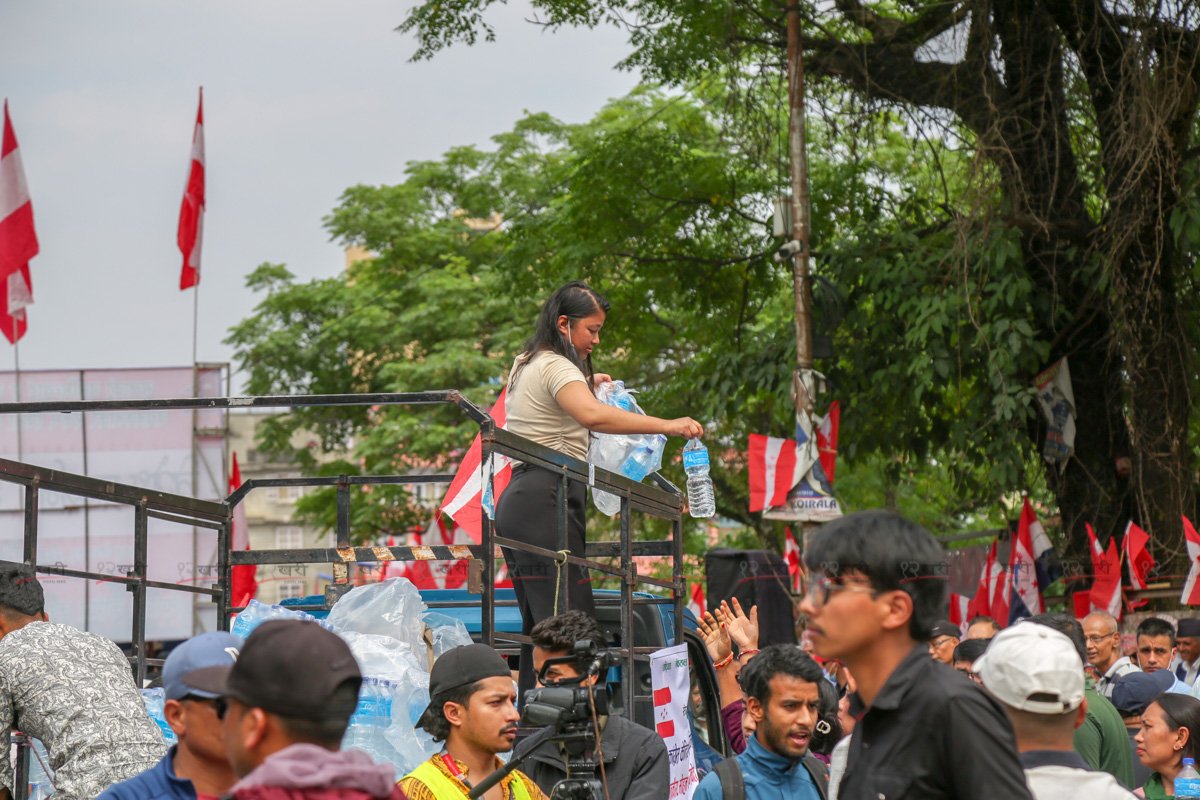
[(465, 665), (1133, 691), (945, 628), (1188, 626), (288, 667)]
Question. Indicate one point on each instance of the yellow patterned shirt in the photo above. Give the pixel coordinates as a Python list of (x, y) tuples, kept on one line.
[(416, 790)]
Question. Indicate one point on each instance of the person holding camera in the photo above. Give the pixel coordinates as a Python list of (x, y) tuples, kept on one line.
[(472, 709), (634, 758), (551, 401)]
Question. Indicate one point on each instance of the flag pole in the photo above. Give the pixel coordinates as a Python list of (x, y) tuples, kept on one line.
[(195, 448), (17, 363)]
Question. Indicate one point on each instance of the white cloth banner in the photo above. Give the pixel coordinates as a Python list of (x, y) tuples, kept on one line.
[(670, 680)]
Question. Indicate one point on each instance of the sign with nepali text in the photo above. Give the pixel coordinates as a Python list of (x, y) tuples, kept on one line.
[(669, 679)]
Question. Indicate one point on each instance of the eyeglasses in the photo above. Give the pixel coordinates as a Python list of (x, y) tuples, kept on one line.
[(968, 673), (936, 643), (819, 591), (221, 705), (1094, 639)]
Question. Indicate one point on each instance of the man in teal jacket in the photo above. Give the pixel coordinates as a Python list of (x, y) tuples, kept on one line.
[(783, 698)]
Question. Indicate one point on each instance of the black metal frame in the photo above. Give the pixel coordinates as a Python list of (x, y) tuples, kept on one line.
[(664, 501)]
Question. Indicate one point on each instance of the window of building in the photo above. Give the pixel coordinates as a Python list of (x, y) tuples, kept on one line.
[(288, 589), (289, 537), (288, 494)]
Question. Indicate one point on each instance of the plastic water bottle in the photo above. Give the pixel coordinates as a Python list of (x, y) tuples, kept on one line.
[(701, 502), (1187, 782), (637, 465), (37, 791)]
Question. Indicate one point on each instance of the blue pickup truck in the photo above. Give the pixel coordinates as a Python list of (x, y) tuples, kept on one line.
[(654, 625)]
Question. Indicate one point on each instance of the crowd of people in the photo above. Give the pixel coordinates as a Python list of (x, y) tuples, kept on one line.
[(887, 700)]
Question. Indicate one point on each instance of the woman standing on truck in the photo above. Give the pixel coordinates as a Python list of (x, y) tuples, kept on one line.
[(550, 401)]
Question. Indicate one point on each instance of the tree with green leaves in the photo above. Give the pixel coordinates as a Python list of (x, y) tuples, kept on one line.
[(1066, 227)]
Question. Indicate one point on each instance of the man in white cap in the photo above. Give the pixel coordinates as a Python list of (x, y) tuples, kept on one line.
[(1036, 673)]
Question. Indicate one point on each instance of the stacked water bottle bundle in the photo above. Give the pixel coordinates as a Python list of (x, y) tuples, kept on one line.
[(638, 455), (155, 702)]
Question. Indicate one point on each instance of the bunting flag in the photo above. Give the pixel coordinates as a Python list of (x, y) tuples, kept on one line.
[(502, 579), (1026, 594), (191, 213), (1138, 559), (1191, 587), (244, 579), (795, 565), (18, 239), (1105, 594), (464, 499), (776, 465), (696, 604), (427, 574)]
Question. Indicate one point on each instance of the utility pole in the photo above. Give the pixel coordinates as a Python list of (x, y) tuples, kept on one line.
[(803, 384)]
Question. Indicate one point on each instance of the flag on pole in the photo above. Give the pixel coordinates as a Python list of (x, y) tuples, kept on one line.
[(1138, 558), (776, 465), (1026, 594), (191, 213), (696, 604), (1191, 587), (989, 600), (18, 239), (1105, 594), (464, 499), (244, 580), (795, 566)]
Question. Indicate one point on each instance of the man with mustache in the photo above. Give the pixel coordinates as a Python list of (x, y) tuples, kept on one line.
[(472, 709), (636, 765), (783, 698)]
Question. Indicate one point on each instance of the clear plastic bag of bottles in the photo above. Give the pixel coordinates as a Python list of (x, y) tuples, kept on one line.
[(256, 613), (633, 455)]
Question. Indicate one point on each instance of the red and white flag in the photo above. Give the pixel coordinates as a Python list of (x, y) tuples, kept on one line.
[(987, 600), (18, 239), (1138, 558), (776, 465), (191, 213), (502, 579), (463, 500), (795, 565), (827, 435), (1026, 596), (696, 604), (1191, 587), (244, 580), (960, 609), (1105, 594)]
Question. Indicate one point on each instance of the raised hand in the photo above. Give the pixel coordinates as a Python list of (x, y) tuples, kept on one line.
[(742, 629), (716, 637)]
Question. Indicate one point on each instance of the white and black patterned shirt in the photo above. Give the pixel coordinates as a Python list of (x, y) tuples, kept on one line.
[(75, 692)]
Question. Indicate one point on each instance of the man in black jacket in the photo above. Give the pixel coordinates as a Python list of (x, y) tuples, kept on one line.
[(635, 758)]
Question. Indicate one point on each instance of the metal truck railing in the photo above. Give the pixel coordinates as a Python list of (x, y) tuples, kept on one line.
[(664, 501)]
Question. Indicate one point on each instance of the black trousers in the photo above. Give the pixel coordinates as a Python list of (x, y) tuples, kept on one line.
[(528, 512)]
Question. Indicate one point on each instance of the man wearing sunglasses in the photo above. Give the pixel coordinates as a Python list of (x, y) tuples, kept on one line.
[(880, 584), (196, 768)]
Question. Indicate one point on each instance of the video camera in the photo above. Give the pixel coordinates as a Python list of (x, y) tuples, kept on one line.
[(569, 715)]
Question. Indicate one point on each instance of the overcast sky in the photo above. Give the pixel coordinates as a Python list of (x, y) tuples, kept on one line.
[(302, 100)]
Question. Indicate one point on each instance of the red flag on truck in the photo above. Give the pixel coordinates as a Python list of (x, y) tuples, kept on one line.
[(244, 581)]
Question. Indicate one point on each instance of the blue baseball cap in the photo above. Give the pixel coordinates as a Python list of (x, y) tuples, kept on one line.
[(1133, 691), (216, 649)]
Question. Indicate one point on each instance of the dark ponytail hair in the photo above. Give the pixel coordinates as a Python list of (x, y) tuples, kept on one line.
[(575, 300), (1182, 711)]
